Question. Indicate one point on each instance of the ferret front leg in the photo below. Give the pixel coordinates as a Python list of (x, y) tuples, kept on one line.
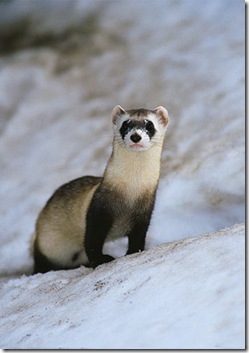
[(99, 223), (136, 237)]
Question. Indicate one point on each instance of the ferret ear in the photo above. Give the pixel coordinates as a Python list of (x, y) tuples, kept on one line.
[(162, 115), (117, 111)]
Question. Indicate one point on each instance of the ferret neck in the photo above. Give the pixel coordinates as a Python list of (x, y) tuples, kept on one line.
[(136, 170)]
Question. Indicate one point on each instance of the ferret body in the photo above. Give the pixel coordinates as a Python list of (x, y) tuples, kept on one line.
[(81, 215)]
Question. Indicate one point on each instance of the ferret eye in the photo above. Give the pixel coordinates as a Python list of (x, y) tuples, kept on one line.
[(124, 128), (125, 124), (150, 127)]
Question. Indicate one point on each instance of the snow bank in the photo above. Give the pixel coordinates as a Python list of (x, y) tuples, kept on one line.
[(186, 294)]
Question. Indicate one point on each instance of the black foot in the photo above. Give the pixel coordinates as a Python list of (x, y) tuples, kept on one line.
[(101, 260)]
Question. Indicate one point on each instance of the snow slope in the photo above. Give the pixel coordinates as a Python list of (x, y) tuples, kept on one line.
[(56, 98), (186, 294), (64, 65)]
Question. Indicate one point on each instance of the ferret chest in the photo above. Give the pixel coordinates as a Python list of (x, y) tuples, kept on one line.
[(133, 174)]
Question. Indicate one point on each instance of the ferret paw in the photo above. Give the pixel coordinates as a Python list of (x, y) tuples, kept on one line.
[(102, 260)]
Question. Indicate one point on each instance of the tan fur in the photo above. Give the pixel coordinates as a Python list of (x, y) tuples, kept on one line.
[(129, 175), (60, 233), (142, 169), (133, 174)]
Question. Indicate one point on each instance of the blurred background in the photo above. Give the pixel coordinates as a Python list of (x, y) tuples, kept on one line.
[(64, 65)]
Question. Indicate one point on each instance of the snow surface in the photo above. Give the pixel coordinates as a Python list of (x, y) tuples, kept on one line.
[(187, 294), (64, 65)]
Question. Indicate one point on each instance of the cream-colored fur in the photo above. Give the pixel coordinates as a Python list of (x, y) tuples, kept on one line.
[(130, 172), (60, 233), (132, 175)]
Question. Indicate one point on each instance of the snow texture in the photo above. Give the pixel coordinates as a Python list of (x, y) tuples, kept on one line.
[(64, 65), (186, 294)]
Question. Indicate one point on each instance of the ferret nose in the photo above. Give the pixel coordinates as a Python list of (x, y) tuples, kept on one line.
[(135, 138)]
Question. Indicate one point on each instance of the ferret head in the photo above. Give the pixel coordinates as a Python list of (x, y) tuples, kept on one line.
[(139, 129)]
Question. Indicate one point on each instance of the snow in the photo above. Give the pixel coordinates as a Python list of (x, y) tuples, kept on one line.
[(187, 294), (64, 65)]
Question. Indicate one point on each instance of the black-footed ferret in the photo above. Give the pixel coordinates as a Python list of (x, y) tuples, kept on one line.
[(72, 227)]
